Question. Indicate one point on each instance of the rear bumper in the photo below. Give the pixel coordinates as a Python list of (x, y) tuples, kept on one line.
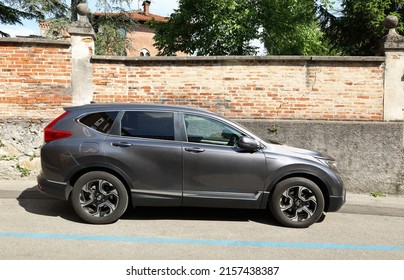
[(60, 190)]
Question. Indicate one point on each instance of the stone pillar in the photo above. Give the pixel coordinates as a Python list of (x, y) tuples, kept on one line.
[(82, 40), (393, 45)]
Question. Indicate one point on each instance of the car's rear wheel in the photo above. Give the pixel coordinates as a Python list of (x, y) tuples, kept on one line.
[(297, 202), (99, 197)]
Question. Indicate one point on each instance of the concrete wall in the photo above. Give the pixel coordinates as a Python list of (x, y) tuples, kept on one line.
[(20, 142), (370, 155)]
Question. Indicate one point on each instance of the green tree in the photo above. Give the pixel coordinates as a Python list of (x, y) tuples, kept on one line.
[(111, 31), (14, 11), (357, 28), (9, 15), (227, 27), (209, 27), (291, 27)]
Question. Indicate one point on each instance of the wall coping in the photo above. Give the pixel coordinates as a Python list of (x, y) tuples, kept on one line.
[(33, 41), (96, 58), (123, 59), (11, 120)]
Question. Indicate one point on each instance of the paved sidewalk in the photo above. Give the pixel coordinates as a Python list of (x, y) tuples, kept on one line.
[(390, 205)]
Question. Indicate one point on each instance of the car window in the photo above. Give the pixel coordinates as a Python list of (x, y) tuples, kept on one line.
[(210, 131), (154, 125), (100, 121)]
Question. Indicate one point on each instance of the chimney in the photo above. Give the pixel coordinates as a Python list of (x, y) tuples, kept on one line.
[(146, 7)]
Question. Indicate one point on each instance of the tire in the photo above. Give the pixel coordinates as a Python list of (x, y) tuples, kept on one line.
[(297, 202), (99, 197)]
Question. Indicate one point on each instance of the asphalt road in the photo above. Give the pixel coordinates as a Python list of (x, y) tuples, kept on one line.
[(35, 227)]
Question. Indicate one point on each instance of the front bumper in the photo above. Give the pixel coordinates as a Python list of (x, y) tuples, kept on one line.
[(60, 190), (336, 202)]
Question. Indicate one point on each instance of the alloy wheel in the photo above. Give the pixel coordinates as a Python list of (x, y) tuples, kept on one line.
[(298, 203), (99, 198)]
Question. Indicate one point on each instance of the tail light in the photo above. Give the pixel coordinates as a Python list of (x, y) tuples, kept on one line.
[(54, 134)]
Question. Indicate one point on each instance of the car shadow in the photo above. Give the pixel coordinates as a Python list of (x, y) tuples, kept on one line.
[(35, 202), (197, 213)]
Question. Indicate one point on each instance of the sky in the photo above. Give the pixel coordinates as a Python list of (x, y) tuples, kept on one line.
[(30, 27)]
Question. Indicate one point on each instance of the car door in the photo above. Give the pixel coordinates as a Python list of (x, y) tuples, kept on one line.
[(147, 152), (216, 172)]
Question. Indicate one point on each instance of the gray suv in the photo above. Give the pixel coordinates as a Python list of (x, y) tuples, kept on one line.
[(105, 157)]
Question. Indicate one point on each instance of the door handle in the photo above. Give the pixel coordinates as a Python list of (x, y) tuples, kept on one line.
[(194, 150), (122, 144)]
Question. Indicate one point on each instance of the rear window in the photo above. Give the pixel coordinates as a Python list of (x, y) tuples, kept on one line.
[(101, 121), (154, 125)]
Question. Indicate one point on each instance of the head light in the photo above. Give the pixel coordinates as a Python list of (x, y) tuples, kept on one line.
[(328, 162)]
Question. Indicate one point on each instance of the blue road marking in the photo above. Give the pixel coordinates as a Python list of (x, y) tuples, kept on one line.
[(240, 243)]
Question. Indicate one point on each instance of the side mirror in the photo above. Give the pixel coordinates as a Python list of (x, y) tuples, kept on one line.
[(248, 144)]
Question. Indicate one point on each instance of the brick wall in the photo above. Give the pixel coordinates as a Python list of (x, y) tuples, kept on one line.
[(36, 82), (326, 88), (35, 77)]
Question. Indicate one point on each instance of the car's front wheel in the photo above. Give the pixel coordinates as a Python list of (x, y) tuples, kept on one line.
[(99, 197), (297, 202)]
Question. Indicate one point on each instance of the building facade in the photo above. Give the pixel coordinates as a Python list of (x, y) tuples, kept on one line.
[(141, 38)]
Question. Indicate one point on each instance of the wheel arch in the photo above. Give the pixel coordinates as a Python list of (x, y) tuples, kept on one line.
[(105, 168), (320, 182)]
